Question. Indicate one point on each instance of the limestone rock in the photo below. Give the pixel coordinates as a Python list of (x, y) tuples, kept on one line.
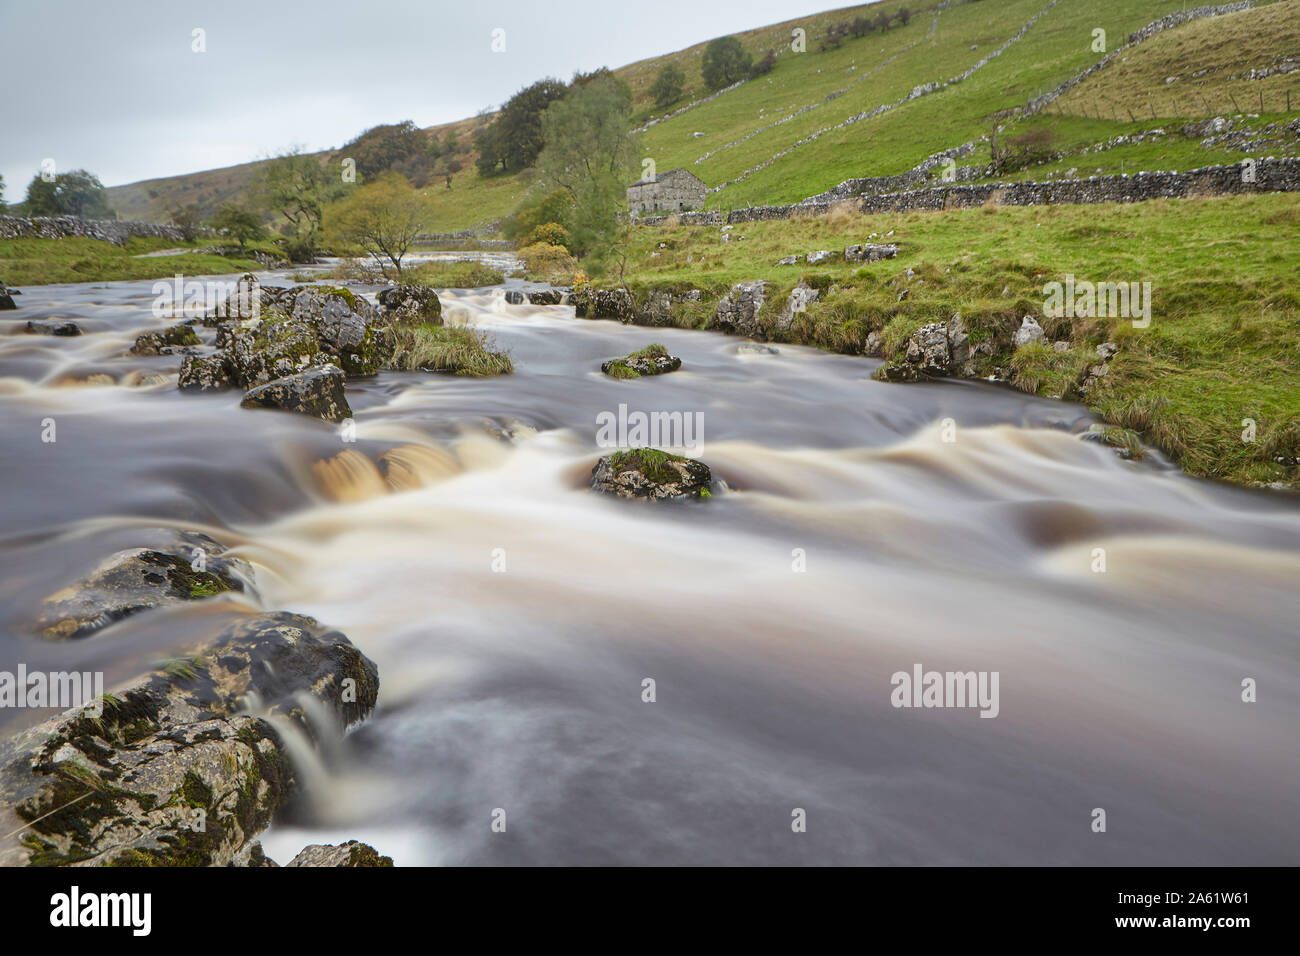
[(165, 341), (801, 296), (737, 313), (869, 252), (411, 304), (186, 566), (352, 853), (651, 360), (318, 391), (206, 373), (651, 475), (1028, 333), (173, 770)]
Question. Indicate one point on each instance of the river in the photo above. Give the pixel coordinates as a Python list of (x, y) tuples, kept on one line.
[(515, 616)]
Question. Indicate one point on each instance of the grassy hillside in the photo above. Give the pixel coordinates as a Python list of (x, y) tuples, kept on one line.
[(786, 123)]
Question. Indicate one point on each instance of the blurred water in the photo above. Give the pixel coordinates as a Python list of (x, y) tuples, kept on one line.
[(521, 689)]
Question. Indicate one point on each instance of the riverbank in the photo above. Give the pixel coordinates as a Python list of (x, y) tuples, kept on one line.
[(1210, 379), (32, 261)]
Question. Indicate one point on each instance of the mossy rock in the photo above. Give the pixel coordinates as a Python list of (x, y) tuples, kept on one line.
[(651, 475)]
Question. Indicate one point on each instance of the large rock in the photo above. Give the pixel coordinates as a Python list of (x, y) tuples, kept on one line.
[(350, 854), (54, 327), (604, 304), (651, 360), (546, 297), (801, 296), (186, 567), (6, 299), (206, 373), (165, 341), (651, 475), (318, 391), (175, 770), (869, 252), (1029, 332), (927, 349), (737, 313), (411, 304)]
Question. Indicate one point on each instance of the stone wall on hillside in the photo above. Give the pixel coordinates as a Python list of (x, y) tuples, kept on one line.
[(63, 227), (1249, 176)]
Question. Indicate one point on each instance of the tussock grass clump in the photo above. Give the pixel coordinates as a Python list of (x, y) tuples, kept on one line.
[(439, 348)]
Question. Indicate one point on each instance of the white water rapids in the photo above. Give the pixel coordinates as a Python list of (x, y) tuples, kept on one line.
[(514, 615)]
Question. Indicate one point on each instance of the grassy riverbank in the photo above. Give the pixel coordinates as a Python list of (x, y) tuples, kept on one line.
[(44, 261), (1223, 344)]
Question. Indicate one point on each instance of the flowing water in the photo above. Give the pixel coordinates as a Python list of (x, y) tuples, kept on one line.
[(514, 615)]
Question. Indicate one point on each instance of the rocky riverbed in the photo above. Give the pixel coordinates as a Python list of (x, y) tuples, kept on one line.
[(425, 631)]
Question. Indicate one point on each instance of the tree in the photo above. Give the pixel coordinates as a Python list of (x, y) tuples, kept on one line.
[(590, 153), (383, 217), (514, 138), (188, 220), (2, 193), (297, 186), (667, 87), (904, 15), (238, 223), (381, 148), (725, 62), (75, 193), (881, 21)]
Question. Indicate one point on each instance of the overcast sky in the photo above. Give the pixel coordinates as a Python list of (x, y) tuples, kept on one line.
[(114, 87)]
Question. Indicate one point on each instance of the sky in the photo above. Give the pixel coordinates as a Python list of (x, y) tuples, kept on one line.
[(117, 87)]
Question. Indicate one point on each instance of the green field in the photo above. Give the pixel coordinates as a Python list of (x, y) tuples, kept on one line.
[(40, 261)]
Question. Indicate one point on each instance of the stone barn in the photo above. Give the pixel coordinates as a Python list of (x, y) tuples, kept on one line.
[(677, 190)]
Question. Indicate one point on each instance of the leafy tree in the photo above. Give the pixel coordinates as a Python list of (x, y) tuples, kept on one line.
[(860, 26), (297, 187), (75, 193), (667, 87), (538, 208), (383, 217), (514, 138), (188, 220), (238, 223), (381, 148), (725, 62), (881, 21), (590, 153), (904, 15)]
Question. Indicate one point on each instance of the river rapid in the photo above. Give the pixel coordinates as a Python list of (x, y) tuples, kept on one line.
[(515, 616)]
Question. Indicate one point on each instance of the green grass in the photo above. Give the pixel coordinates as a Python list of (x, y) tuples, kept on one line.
[(440, 348), (453, 275), (650, 462), (1223, 344), (42, 261)]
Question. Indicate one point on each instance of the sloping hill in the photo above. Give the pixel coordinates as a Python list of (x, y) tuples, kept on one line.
[(882, 103)]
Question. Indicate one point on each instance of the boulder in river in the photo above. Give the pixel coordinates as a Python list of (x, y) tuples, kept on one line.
[(737, 313), (206, 373), (652, 475), (546, 297), (411, 304), (651, 360), (166, 340), (65, 327), (186, 567), (318, 391), (172, 768), (6, 298), (350, 854)]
